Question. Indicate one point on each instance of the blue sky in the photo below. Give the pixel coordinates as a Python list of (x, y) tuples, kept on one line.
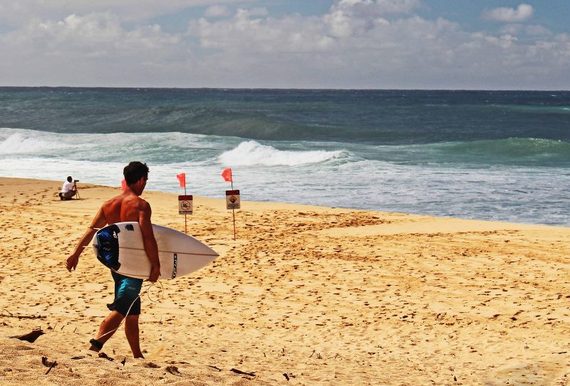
[(426, 44)]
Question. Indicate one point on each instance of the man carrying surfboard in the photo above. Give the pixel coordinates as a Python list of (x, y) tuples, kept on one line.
[(128, 206)]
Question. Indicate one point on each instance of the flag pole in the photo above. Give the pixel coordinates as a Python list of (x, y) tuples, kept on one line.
[(181, 209), (227, 175), (234, 218), (234, 212), (185, 222)]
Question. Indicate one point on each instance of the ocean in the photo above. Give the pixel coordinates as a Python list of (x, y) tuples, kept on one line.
[(493, 155)]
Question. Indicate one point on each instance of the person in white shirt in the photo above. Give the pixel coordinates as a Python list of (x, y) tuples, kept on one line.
[(68, 190)]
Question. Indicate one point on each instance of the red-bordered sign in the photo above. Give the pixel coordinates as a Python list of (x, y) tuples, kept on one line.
[(232, 199), (185, 204)]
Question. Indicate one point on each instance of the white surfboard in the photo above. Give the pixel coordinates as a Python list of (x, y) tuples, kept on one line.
[(120, 247)]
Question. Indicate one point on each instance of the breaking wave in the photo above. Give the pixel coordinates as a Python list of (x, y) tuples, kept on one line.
[(251, 153)]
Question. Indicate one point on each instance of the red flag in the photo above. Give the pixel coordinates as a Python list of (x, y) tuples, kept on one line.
[(227, 175), (181, 179), (124, 185)]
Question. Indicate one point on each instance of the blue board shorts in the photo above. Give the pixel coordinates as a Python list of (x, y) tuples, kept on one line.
[(127, 290)]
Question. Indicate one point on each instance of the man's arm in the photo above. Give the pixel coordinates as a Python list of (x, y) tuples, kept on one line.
[(150, 246), (99, 221)]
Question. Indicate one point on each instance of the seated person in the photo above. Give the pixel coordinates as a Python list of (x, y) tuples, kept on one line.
[(68, 190)]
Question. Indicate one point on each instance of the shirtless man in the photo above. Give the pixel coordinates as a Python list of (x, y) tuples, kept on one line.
[(127, 206)]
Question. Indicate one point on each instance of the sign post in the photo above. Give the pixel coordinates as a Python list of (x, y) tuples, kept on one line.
[(185, 202), (185, 207), (233, 203), (232, 196)]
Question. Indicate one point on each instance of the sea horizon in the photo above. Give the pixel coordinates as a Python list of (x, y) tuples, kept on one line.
[(270, 88)]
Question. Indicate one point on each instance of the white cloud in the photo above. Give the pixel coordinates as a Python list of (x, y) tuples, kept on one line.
[(523, 29), (102, 31), (345, 48), (14, 12), (251, 31), (510, 15), (83, 50), (537, 30), (377, 7), (217, 11), (356, 43), (350, 17)]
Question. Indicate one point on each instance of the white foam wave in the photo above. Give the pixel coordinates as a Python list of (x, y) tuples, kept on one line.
[(155, 147), (252, 153), (24, 143)]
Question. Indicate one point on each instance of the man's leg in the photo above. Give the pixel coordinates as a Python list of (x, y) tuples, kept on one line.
[(132, 333), (106, 330), (127, 302)]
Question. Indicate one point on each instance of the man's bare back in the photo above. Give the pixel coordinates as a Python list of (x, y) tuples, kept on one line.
[(127, 206)]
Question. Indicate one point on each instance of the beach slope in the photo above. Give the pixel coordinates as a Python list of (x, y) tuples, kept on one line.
[(305, 295)]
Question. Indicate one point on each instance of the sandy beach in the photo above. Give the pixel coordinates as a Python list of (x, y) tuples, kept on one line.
[(305, 295)]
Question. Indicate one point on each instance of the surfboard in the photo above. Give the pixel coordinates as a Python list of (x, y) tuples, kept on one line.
[(120, 247)]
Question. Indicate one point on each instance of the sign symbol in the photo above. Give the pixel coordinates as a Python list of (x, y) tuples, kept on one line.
[(185, 204), (232, 199)]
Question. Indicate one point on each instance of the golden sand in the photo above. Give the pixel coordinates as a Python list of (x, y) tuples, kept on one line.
[(304, 296)]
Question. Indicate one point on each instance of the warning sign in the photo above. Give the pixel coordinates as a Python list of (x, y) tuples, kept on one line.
[(185, 204), (232, 199)]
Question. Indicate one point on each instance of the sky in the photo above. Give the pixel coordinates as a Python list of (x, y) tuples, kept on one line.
[(363, 44)]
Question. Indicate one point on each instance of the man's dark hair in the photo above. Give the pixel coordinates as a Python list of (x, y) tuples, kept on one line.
[(134, 171), (69, 179)]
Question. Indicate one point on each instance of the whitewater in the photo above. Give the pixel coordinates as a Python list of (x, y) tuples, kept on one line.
[(484, 155), (336, 176)]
